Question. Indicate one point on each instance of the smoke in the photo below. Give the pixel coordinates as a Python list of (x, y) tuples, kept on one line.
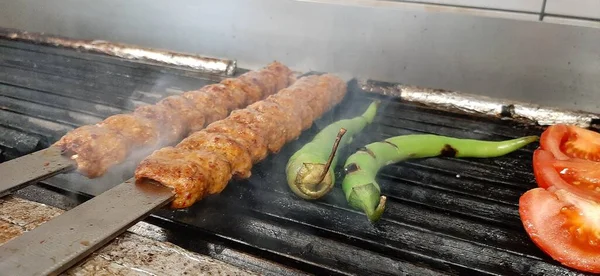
[(165, 85), (162, 86)]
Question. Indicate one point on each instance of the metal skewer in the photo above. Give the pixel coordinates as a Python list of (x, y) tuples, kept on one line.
[(58, 244), (32, 168)]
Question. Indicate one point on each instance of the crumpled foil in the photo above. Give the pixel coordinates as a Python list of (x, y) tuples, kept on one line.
[(481, 105), (195, 62)]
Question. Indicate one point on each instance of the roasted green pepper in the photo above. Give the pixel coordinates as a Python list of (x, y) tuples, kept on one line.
[(309, 171), (359, 185)]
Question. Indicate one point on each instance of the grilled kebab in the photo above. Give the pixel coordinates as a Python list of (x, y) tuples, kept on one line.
[(204, 162), (97, 147)]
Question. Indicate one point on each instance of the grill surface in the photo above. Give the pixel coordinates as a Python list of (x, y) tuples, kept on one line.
[(444, 215)]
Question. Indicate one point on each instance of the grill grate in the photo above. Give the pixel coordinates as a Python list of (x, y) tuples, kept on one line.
[(444, 215)]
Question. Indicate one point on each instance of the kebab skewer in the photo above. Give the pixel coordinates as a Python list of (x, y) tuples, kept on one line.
[(200, 165), (96, 148), (203, 163)]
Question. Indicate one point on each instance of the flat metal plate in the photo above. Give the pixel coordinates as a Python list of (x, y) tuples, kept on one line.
[(60, 243), (31, 168)]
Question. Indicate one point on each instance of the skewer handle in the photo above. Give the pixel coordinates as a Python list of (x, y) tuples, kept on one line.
[(32, 168), (56, 245)]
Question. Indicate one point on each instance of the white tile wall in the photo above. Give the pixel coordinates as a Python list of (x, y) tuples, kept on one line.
[(577, 8), (583, 10), (570, 21), (436, 7), (515, 5), (585, 13)]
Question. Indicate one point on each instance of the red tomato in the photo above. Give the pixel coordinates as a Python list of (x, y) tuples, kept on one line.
[(562, 217), (577, 176), (565, 142), (567, 160), (564, 226)]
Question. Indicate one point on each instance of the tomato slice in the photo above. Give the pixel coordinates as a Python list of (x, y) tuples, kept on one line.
[(566, 141), (567, 159), (552, 138), (543, 170), (562, 217), (564, 226), (578, 176), (581, 173)]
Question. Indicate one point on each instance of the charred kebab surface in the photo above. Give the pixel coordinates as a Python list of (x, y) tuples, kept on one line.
[(207, 160), (96, 148)]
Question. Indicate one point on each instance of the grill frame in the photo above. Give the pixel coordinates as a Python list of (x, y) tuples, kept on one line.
[(427, 194)]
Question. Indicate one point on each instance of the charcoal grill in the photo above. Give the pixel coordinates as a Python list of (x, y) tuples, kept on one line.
[(444, 215)]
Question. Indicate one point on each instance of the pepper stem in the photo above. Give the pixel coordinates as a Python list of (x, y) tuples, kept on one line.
[(367, 198), (336, 144)]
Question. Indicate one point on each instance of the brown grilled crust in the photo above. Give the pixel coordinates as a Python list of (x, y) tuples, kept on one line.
[(226, 96), (95, 148), (335, 84), (240, 90), (186, 171), (302, 111), (270, 80), (171, 126), (213, 108), (260, 126), (252, 90), (238, 157), (284, 76), (194, 119), (171, 119), (280, 121), (255, 79), (254, 143), (306, 101), (136, 129)]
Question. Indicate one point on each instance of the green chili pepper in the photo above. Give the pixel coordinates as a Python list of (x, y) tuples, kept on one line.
[(309, 171), (359, 185)]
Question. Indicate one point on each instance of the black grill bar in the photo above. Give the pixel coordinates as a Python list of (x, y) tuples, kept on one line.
[(63, 86), (29, 124), (444, 215), (19, 141), (67, 117), (75, 69), (46, 91), (58, 101)]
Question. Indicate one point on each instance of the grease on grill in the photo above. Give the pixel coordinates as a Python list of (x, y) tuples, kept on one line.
[(507, 111), (448, 151)]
